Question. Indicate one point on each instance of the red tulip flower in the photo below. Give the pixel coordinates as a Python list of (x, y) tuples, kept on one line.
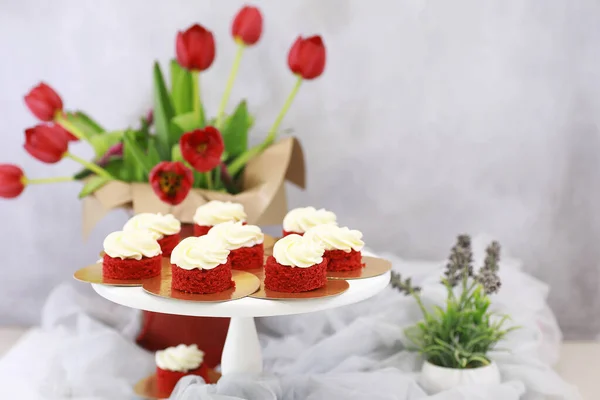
[(195, 48), (171, 181), (11, 181), (70, 137), (247, 25), (202, 148), (307, 57), (47, 143), (43, 102)]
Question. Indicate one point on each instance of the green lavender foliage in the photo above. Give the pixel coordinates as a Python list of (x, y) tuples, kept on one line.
[(460, 334)]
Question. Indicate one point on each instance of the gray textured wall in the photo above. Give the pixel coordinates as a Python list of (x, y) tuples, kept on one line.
[(433, 118)]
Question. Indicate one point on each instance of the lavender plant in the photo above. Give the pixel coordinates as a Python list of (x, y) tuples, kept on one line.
[(461, 334)]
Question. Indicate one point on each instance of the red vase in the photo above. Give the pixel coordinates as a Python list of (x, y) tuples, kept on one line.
[(164, 330)]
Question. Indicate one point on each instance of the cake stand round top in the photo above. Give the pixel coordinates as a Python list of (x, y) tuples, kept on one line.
[(136, 297)]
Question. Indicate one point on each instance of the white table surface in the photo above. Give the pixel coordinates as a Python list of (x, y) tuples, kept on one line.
[(579, 363)]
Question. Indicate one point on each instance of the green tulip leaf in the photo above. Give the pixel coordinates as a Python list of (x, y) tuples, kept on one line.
[(250, 121), (176, 153), (84, 173), (89, 123), (235, 132), (102, 143), (181, 88), (199, 179), (92, 185), (153, 156), (136, 162), (84, 123), (116, 167), (163, 113), (187, 122)]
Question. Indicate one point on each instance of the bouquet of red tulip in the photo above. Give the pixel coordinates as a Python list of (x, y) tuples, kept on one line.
[(177, 146)]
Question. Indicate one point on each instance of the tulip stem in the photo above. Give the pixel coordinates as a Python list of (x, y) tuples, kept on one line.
[(28, 181), (197, 103), (286, 106), (209, 180), (239, 163), (65, 123), (91, 166), (230, 81)]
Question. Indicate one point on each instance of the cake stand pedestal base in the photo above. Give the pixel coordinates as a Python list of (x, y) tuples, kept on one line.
[(242, 349)]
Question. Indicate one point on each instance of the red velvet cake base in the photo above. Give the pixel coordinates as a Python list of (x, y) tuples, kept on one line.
[(168, 243), (339, 260), (282, 278), (166, 380), (247, 257), (202, 281), (116, 268), (285, 233), (201, 230)]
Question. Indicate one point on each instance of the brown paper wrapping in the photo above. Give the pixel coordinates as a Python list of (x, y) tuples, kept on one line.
[(263, 197)]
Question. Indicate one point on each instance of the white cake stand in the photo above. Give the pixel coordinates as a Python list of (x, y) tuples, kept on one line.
[(241, 352)]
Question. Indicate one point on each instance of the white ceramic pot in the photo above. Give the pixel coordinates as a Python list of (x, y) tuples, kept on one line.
[(436, 379)]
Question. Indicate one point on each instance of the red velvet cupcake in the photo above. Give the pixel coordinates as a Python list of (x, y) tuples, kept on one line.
[(131, 255), (342, 246), (216, 212), (201, 265), (299, 220), (245, 243), (168, 243), (165, 228), (297, 265), (173, 363)]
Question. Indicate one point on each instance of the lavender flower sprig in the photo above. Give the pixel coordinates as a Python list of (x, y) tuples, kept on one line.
[(488, 274), (461, 334), (403, 286), (460, 262)]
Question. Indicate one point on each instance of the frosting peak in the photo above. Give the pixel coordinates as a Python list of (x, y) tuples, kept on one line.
[(333, 237), (216, 212), (236, 235), (158, 224), (180, 359), (131, 244), (204, 252), (302, 219), (296, 251)]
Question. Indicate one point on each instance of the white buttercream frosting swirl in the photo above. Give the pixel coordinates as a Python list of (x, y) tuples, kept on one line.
[(216, 212), (333, 237), (237, 235), (204, 252), (181, 358), (300, 220), (297, 251), (158, 224), (131, 245)]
